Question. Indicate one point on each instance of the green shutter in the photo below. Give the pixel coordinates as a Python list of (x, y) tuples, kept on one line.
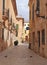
[(16, 26)]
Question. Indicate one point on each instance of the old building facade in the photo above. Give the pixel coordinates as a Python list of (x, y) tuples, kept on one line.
[(38, 26), (7, 19), (19, 28)]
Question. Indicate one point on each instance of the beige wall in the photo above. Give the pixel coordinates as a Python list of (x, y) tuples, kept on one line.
[(7, 34), (8, 5)]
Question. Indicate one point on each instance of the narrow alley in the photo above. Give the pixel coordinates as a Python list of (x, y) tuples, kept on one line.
[(23, 32), (21, 55)]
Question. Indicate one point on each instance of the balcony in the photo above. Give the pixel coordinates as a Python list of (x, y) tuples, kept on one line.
[(5, 15)]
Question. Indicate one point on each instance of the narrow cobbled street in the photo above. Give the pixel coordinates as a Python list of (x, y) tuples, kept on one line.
[(23, 32), (21, 55)]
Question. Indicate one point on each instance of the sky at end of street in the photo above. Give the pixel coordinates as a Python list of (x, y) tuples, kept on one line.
[(23, 9)]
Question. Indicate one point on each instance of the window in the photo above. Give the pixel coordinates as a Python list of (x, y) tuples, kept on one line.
[(16, 33), (8, 14), (25, 31), (33, 38), (17, 26), (33, 12), (38, 5), (43, 36), (38, 38), (30, 14), (3, 6), (13, 25), (11, 19), (2, 34)]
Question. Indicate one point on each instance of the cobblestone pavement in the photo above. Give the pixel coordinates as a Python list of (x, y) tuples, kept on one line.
[(21, 55)]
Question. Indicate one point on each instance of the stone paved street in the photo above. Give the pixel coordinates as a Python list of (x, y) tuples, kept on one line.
[(21, 55)]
